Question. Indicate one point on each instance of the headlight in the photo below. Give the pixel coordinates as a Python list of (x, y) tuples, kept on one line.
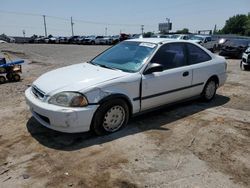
[(69, 99)]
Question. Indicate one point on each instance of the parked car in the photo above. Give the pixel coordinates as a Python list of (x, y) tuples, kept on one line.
[(206, 41), (181, 37), (62, 40), (105, 40), (72, 39), (2, 41), (40, 39), (80, 40), (115, 39), (245, 62), (124, 36), (50, 40), (130, 78), (136, 36), (93, 39), (234, 47)]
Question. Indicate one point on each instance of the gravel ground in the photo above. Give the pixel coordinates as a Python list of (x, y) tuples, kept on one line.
[(193, 144)]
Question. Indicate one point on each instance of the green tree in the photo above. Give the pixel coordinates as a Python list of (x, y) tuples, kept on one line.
[(247, 26), (148, 34), (183, 31), (236, 25)]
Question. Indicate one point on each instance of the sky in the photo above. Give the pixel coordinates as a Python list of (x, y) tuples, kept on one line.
[(100, 17)]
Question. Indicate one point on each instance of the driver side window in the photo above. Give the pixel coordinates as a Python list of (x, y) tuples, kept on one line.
[(170, 56)]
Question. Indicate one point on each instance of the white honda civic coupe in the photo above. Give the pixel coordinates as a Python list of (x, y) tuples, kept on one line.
[(129, 78)]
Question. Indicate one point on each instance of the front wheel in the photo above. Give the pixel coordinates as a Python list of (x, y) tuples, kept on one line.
[(242, 67), (2, 79), (209, 90), (110, 117)]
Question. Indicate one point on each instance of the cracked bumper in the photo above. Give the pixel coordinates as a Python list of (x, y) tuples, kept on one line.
[(63, 119)]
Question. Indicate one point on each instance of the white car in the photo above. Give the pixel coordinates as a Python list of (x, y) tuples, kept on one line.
[(245, 62), (2, 41), (131, 77)]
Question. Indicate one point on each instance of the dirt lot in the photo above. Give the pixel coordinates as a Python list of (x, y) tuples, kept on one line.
[(194, 144)]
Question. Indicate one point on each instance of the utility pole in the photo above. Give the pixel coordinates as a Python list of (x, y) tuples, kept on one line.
[(106, 31), (72, 26), (142, 29), (45, 28), (24, 33)]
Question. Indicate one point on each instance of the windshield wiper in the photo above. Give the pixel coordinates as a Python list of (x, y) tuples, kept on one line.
[(105, 66), (101, 65)]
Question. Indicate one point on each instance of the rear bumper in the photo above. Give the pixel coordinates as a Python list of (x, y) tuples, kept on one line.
[(63, 119)]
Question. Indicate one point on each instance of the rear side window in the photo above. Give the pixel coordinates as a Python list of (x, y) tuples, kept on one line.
[(170, 56), (196, 54)]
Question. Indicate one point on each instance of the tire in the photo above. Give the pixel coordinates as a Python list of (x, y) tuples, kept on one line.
[(110, 117), (242, 67), (16, 77), (214, 49), (92, 42), (2, 79), (209, 90), (9, 76)]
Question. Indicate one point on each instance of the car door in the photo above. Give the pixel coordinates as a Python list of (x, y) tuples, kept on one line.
[(170, 85), (201, 65)]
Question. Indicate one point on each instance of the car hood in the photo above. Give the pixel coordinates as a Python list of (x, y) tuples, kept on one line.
[(195, 40), (75, 78)]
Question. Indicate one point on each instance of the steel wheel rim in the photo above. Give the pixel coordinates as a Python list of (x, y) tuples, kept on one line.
[(210, 90), (114, 118)]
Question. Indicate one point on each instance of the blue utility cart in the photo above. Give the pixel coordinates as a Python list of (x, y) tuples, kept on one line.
[(10, 70)]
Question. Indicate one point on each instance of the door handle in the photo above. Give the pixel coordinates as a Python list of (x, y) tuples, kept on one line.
[(185, 74)]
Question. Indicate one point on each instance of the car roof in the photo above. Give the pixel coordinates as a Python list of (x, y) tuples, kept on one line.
[(153, 40), (203, 36), (159, 40)]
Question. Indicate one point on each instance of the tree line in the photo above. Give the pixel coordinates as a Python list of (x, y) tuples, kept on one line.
[(238, 24)]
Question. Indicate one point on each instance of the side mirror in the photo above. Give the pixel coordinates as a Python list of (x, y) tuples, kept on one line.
[(153, 67)]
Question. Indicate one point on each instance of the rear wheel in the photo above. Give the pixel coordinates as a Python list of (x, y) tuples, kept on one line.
[(209, 90), (110, 117), (2, 79), (16, 77)]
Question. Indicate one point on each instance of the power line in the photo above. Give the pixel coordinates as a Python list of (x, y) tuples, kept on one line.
[(76, 20)]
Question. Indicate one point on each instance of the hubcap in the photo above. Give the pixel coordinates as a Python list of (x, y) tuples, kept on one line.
[(114, 118), (210, 90)]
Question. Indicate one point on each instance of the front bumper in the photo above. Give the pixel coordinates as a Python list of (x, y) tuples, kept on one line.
[(246, 59), (63, 119)]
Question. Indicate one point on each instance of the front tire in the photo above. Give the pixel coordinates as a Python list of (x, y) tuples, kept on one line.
[(2, 79), (110, 117), (242, 67), (209, 90)]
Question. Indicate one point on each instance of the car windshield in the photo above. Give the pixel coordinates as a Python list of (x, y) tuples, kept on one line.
[(196, 38), (239, 42), (127, 56), (175, 36)]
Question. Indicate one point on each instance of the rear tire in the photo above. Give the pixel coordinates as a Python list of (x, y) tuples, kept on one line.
[(110, 117), (16, 77), (209, 90)]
